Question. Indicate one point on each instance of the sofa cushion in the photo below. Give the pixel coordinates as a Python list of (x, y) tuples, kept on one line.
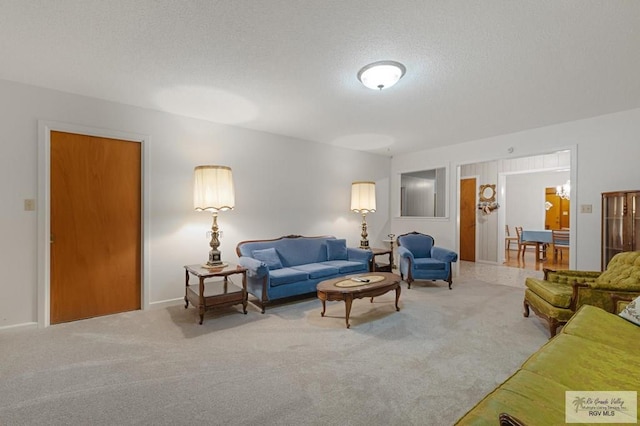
[(337, 249), (596, 324), (428, 264), (346, 266), (318, 270), (286, 276), (566, 359), (586, 355), (557, 294), (269, 256), (292, 250), (532, 399), (632, 312)]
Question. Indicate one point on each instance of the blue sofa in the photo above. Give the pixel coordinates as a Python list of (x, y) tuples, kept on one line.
[(294, 265), (420, 259)]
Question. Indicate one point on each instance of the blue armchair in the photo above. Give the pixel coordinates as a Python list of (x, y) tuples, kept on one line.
[(421, 260)]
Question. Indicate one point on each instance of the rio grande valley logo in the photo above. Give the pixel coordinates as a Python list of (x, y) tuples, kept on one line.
[(601, 407)]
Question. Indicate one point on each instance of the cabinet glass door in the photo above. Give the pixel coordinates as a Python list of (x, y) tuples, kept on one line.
[(634, 216), (620, 223), (613, 215)]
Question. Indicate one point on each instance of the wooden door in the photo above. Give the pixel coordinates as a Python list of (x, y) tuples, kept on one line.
[(557, 210), (468, 219), (95, 226), (552, 209)]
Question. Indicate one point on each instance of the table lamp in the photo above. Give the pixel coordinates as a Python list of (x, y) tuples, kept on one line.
[(213, 191), (363, 200)]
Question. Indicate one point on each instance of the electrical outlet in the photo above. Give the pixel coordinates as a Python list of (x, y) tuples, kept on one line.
[(29, 205), (586, 208)]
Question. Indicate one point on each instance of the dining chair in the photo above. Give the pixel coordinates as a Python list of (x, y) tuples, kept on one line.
[(508, 239), (522, 245), (560, 241)]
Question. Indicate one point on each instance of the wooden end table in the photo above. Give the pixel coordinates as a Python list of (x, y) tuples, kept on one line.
[(382, 267), (328, 290), (206, 295)]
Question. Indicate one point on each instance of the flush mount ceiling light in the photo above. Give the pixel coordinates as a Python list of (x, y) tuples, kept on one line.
[(381, 75)]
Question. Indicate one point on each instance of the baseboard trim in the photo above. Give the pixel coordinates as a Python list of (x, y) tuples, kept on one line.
[(23, 325), (166, 303), (488, 262)]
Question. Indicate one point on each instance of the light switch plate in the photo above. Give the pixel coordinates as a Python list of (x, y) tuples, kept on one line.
[(586, 208)]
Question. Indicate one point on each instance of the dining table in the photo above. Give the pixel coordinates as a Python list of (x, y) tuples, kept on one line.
[(541, 237)]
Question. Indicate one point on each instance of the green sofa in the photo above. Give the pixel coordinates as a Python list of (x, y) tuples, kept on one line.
[(595, 351), (556, 297)]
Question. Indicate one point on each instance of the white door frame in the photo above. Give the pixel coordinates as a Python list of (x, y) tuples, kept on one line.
[(44, 212)]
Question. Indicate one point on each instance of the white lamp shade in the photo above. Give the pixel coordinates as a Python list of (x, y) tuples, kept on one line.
[(363, 197), (381, 75), (213, 188)]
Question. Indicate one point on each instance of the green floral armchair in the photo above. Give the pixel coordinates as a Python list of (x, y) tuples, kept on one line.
[(559, 294)]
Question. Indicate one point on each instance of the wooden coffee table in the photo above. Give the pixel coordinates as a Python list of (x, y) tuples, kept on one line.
[(345, 288)]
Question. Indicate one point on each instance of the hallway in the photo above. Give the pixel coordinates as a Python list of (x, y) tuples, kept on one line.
[(513, 272)]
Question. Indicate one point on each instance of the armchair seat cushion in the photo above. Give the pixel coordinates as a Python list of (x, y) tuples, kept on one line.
[(429, 264), (287, 276), (554, 293), (545, 309)]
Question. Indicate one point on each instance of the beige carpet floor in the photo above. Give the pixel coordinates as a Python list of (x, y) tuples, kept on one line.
[(425, 365)]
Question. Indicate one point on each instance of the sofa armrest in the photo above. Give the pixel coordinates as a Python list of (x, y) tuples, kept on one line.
[(359, 255), (590, 293), (255, 267), (620, 302), (569, 276), (405, 252), (443, 254)]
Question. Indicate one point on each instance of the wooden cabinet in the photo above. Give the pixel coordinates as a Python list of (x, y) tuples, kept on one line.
[(620, 223)]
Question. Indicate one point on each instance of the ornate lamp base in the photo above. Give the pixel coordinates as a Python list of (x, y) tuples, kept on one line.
[(364, 242), (215, 259)]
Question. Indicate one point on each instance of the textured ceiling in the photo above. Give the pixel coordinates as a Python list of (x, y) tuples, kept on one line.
[(474, 68)]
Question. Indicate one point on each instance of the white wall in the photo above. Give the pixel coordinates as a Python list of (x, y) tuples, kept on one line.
[(525, 195), (283, 186), (608, 148)]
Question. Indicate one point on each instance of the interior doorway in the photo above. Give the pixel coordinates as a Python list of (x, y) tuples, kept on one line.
[(490, 228)]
